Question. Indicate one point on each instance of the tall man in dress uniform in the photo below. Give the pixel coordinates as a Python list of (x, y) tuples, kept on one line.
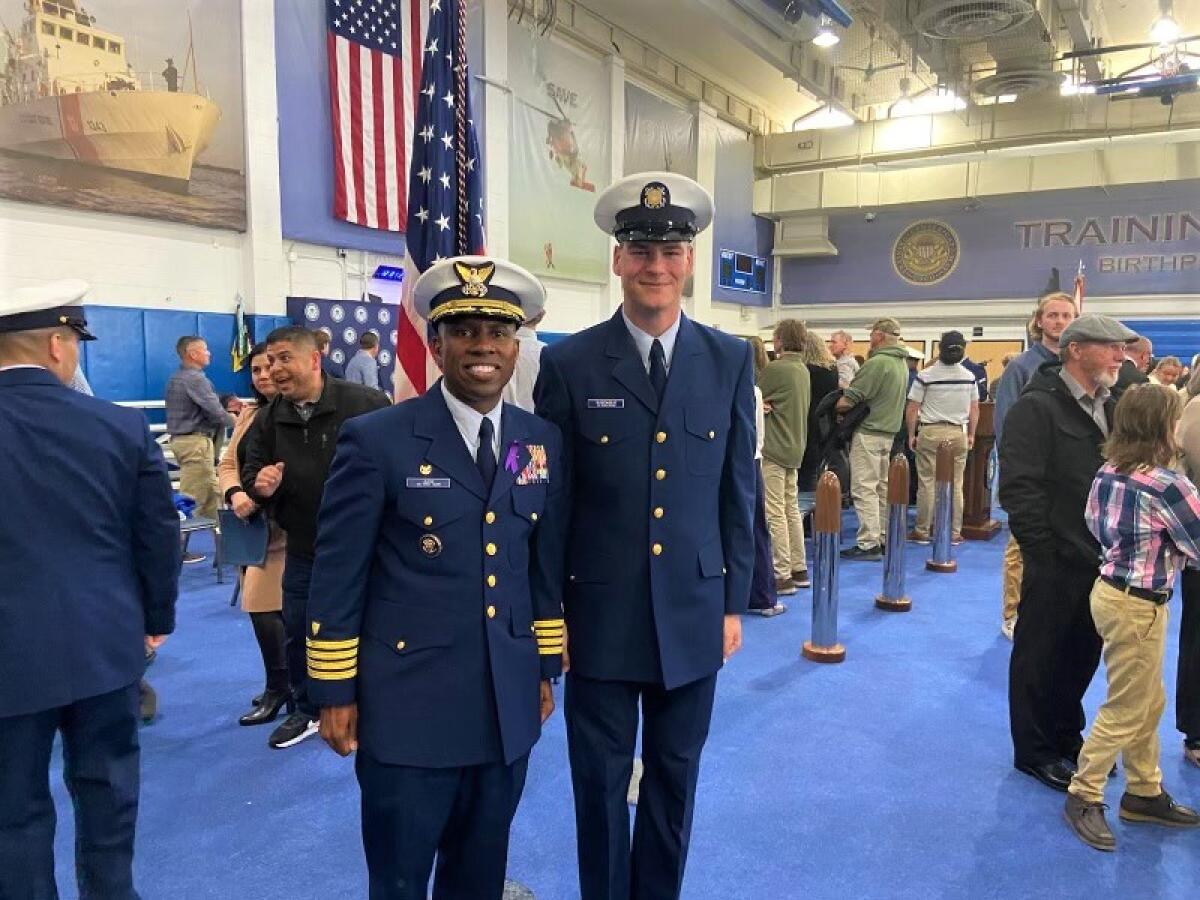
[(89, 563), (657, 415), (435, 615)]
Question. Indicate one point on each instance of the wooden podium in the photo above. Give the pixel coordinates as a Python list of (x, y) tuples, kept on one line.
[(978, 524)]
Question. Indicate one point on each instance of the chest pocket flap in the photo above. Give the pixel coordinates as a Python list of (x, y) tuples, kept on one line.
[(408, 629), (433, 507), (605, 427)]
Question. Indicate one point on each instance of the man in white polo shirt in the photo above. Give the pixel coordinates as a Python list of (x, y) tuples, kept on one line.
[(944, 401)]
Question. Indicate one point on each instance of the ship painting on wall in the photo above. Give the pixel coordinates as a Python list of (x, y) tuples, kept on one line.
[(124, 106)]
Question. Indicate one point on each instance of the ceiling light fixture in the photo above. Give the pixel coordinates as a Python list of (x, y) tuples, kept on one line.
[(825, 36), (823, 117), (1165, 29)]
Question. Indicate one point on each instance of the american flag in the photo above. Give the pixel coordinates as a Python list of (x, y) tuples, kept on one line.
[(374, 49), (445, 193)]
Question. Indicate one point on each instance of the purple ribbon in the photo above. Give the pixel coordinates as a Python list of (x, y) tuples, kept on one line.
[(512, 458)]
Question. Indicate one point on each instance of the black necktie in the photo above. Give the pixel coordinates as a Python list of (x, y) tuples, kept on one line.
[(658, 368), (485, 456)]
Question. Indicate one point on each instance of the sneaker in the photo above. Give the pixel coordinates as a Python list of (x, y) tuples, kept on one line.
[(1009, 627), (868, 554), (1089, 824), (784, 587), (918, 537), (800, 577), (194, 557), (1160, 810), (1191, 752), (294, 729)]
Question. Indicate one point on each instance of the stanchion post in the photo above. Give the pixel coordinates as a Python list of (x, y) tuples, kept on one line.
[(893, 597), (827, 527), (941, 558)]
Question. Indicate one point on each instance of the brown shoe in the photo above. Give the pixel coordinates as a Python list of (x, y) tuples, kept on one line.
[(1160, 810), (801, 579), (918, 537), (784, 587), (956, 539), (1089, 824)]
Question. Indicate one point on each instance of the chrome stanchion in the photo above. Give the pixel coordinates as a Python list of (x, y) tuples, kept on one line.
[(827, 526), (893, 597), (941, 559)]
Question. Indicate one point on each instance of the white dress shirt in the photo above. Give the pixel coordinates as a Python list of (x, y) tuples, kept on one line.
[(644, 341), (468, 421), (519, 390)]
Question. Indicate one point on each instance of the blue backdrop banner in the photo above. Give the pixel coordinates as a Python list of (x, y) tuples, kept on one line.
[(345, 321)]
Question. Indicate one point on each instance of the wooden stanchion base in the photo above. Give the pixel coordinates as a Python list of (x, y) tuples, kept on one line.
[(982, 532), (893, 604), (944, 567), (834, 654)]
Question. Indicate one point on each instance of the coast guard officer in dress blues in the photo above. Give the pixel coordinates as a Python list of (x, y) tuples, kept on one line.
[(657, 416), (89, 570), (436, 601)]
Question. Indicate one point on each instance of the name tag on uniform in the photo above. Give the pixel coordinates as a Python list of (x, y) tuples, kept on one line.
[(427, 482), (605, 403)]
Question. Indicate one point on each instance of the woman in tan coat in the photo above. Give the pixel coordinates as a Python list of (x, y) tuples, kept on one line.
[(262, 586)]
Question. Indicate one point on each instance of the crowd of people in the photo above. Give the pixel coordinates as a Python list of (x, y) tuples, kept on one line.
[(446, 560)]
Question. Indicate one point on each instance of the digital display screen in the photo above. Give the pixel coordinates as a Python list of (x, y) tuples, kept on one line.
[(743, 272)]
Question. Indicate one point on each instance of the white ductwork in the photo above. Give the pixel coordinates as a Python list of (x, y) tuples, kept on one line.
[(803, 236)]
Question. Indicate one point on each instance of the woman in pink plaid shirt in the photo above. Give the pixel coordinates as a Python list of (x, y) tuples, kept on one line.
[(1147, 519)]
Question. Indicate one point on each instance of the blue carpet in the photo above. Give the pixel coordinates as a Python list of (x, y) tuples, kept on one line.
[(886, 776)]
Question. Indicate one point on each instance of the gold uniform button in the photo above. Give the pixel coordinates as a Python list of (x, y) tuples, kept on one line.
[(658, 512), (604, 438), (660, 474), (400, 645), (490, 517), (490, 549), (428, 520), (491, 581), (661, 437), (491, 612), (533, 517), (711, 435), (656, 549), (426, 468)]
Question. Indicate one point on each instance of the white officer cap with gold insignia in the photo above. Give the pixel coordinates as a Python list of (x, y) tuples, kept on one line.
[(478, 286), (46, 306), (654, 206)]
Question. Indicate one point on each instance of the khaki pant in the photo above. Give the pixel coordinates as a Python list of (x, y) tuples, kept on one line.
[(1011, 579), (783, 519), (928, 439), (869, 459), (197, 474), (1134, 633)]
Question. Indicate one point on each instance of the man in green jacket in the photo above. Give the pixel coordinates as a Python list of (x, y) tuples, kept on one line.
[(882, 384), (787, 392)]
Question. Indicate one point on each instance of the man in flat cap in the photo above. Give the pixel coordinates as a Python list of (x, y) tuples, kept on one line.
[(882, 384), (435, 616), (657, 414), (1049, 454), (89, 560)]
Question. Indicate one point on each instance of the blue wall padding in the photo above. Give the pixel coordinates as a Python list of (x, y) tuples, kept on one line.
[(1171, 337), (135, 353)]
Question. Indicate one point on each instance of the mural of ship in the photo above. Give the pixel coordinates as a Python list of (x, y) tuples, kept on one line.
[(68, 92)]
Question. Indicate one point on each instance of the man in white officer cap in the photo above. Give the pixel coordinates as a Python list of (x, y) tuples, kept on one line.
[(657, 415), (435, 613), (89, 560)]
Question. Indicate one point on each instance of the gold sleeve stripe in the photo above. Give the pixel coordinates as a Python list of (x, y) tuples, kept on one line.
[(331, 645), (547, 642), (548, 623), (548, 632), (338, 666), (550, 651), (333, 676), (333, 655)]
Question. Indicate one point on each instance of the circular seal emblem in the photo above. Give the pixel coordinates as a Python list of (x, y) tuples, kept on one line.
[(385, 317), (385, 358), (349, 335), (431, 545), (337, 313), (312, 312), (925, 253), (337, 356), (360, 315)]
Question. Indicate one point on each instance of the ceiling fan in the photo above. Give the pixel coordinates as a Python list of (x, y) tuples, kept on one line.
[(870, 69)]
